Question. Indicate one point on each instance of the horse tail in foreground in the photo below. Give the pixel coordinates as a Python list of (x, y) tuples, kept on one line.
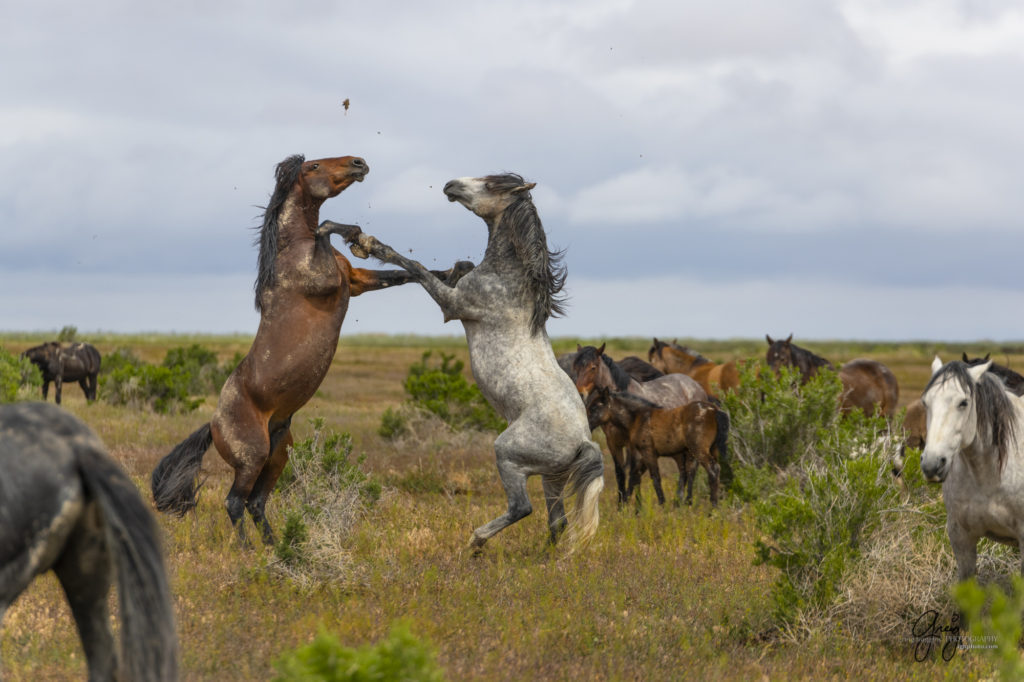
[(586, 481), (149, 644), (721, 444), (174, 478)]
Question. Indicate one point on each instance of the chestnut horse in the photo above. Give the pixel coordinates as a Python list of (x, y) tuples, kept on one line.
[(695, 433), (714, 378), (868, 385), (302, 291)]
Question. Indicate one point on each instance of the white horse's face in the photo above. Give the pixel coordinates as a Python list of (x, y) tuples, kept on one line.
[(474, 195), (952, 422)]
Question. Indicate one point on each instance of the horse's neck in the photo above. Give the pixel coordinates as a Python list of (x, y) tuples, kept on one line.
[(625, 415), (298, 219), (684, 361)]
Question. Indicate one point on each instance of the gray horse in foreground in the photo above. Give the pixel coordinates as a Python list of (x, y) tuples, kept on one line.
[(67, 506), (975, 450), (504, 304)]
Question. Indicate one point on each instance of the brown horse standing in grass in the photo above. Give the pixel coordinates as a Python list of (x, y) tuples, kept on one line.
[(57, 363), (695, 433), (868, 385), (302, 291), (714, 378)]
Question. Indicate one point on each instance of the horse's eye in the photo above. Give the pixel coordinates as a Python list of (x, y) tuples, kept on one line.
[(315, 166), (963, 404)]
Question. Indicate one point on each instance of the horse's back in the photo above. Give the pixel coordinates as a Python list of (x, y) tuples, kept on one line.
[(869, 383), (672, 390)]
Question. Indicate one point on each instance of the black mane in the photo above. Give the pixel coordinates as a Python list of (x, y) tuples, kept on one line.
[(287, 173), (992, 406), (545, 273)]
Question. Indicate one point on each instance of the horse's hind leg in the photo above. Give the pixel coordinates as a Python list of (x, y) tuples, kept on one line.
[(519, 507), (85, 572), (553, 488), (243, 442), (280, 440)]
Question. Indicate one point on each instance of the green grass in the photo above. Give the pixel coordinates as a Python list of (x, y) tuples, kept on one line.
[(661, 593)]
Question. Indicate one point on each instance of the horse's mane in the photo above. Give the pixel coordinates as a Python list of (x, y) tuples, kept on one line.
[(545, 273), (993, 407), (1014, 381), (813, 359), (287, 173)]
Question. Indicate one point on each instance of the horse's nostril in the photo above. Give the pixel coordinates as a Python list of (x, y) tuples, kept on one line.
[(358, 163)]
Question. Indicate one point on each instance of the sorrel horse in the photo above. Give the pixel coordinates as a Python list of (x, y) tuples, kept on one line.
[(868, 385), (713, 377), (696, 433), (593, 368), (68, 507), (77, 362), (974, 449), (302, 287), (504, 304)]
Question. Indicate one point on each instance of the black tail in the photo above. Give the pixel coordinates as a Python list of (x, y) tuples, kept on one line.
[(149, 642), (174, 479), (722, 445)]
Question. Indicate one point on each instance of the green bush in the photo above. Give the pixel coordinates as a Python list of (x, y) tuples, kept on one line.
[(329, 454), (11, 374), (444, 391), (118, 359), (161, 389), (997, 628), (392, 424), (68, 334), (205, 375), (402, 656)]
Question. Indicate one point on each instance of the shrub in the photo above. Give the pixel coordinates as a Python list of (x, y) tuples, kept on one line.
[(161, 389), (68, 334), (11, 373), (119, 358), (996, 628), (402, 656), (200, 364), (324, 492), (443, 391)]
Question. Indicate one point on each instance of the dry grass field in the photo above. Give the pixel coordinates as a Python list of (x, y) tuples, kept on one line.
[(661, 594)]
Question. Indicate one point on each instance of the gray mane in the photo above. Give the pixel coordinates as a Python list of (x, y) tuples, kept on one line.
[(287, 173), (993, 407), (543, 269)]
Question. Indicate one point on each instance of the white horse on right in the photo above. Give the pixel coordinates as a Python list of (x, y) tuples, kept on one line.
[(974, 449)]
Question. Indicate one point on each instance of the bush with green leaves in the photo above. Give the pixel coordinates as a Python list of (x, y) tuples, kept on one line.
[(119, 358), (323, 491), (161, 389), (443, 390), (994, 622), (402, 656), (15, 372), (68, 334), (819, 480), (205, 374)]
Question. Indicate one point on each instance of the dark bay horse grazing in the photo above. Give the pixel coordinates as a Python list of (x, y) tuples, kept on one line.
[(695, 433), (76, 362), (593, 369), (504, 305), (302, 291), (713, 377), (868, 385), (68, 507)]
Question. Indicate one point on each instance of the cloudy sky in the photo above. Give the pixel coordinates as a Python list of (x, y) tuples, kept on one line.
[(729, 169)]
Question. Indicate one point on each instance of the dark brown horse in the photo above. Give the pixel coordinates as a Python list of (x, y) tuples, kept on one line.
[(695, 433), (631, 365), (76, 362), (302, 291), (713, 377), (1014, 381), (592, 369), (868, 385)]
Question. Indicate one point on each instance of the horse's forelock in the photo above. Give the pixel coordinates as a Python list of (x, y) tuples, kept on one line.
[(286, 173)]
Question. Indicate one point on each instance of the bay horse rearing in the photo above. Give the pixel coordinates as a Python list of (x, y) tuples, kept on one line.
[(68, 507), (504, 305), (302, 288)]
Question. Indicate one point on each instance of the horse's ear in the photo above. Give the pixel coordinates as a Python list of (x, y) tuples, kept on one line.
[(987, 355), (936, 365), (978, 371), (524, 188), (578, 348), (768, 338), (965, 356), (789, 338), (600, 351)]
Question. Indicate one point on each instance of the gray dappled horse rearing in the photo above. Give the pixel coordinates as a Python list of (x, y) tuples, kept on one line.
[(67, 506), (504, 304)]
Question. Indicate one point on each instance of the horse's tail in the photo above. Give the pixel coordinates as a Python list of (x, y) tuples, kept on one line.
[(721, 444), (586, 481), (149, 641), (174, 478)]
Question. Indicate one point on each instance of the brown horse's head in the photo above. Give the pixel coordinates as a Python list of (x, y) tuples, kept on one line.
[(599, 408), (326, 178), (780, 353), (587, 365), (654, 354)]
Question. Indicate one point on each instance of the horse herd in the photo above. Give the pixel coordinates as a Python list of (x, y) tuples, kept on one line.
[(68, 507)]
